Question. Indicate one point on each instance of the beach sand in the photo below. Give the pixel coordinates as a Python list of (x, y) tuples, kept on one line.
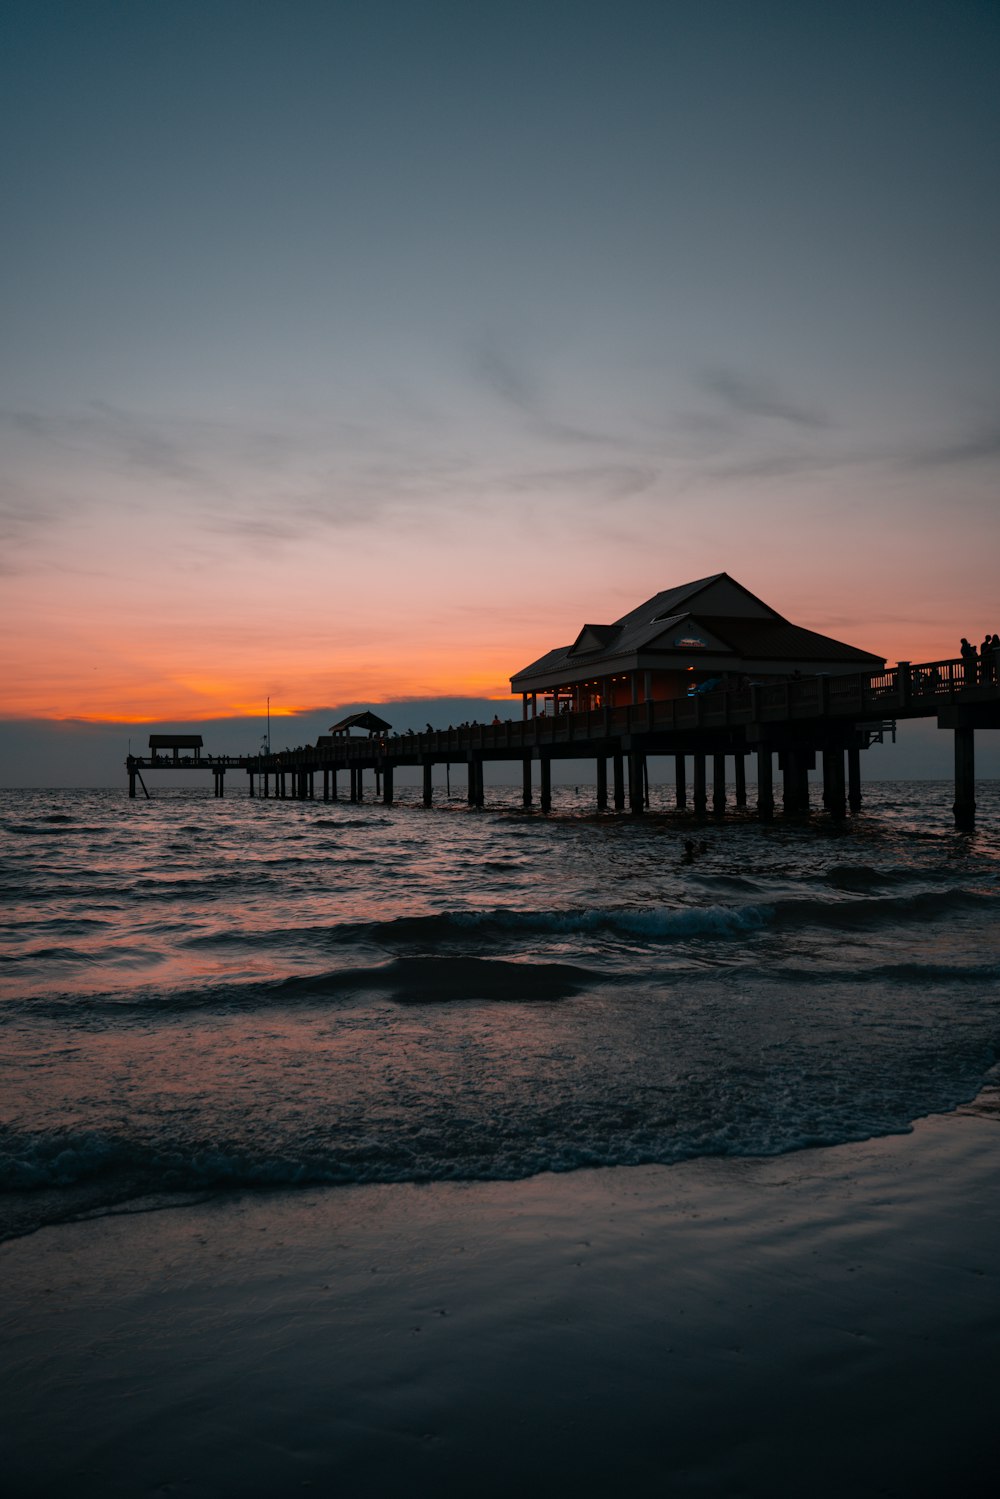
[(823, 1323)]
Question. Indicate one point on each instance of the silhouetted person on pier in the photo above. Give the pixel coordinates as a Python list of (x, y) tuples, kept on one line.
[(985, 653), (991, 659), (969, 658)]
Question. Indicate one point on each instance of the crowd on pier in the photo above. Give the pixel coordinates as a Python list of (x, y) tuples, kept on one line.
[(982, 665)]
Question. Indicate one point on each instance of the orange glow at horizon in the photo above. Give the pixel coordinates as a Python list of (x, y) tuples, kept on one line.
[(297, 682)]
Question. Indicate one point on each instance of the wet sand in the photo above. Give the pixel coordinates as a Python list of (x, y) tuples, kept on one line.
[(821, 1323)]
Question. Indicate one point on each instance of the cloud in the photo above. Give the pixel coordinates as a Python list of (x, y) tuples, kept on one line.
[(975, 447), (755, 395), (606, 481), (514, 386)]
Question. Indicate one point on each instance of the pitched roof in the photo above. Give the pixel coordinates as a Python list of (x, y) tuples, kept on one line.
[(752, 631), (778, 640), (359, 721)]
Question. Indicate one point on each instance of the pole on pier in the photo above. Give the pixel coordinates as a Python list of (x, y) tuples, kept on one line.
[(965, 778), (326, 783), (680, 781), (387, 786), (700, 786), (854, 778), (131, 782), (602, 784), (428, 783), (765, 783), (545, 767), (526, 781), (618, 772), (250, 781), (718, 784), (740, 766), (265, 790)]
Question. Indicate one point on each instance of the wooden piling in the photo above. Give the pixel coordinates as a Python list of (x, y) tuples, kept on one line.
[(965, 778), (636, 800), (545, 768), (740, 767), (700, 785), (834, 794), (765, 783), (854, 778), (680, 782), (718, 784)]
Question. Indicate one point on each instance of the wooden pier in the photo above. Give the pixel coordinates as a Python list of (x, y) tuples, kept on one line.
[(826, 719)]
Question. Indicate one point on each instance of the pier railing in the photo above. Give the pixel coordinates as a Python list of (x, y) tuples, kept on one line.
[(903, 691)]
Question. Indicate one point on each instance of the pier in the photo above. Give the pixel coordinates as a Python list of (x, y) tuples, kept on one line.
[(795, 725)]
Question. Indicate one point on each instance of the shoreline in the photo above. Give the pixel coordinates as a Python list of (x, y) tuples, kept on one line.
[(814, 1322)]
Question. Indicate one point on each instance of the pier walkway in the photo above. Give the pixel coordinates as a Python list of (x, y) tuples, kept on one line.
[(798, 719)]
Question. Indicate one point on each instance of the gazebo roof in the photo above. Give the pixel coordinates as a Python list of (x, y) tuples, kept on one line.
[(369, 721)]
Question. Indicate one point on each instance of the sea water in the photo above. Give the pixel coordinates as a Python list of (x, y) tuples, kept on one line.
[(198, 995)]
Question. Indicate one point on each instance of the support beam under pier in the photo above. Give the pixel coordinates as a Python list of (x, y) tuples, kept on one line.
[(834, 791), (680, 781), (718, 784), (700, 784), (602, 784), (965, 778), (854, 778), (545, 767), (765, 783), (618, 770), (636, 783)]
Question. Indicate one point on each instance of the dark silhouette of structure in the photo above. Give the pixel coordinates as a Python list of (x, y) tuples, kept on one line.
[(780, 691)]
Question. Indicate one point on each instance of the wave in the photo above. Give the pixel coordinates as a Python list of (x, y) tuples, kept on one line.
[(51, 1176), (433, 980), (669, 924), (653, 925)]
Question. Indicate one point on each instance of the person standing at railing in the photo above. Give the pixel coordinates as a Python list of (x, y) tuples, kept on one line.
[(969, 661), (994, 658), (986, 657)]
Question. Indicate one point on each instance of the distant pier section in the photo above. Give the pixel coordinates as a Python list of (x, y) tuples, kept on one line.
[(706, 674)]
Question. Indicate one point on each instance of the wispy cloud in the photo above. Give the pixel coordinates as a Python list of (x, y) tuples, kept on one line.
[(516, 388), (977, 446), (758, 396), (602, 481)]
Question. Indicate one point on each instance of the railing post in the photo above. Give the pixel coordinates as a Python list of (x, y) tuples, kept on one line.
[(903, 683)]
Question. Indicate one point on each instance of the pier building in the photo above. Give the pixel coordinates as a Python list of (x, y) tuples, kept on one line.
[(684, 639)]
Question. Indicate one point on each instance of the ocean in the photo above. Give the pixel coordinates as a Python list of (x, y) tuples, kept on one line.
[(202, 995)]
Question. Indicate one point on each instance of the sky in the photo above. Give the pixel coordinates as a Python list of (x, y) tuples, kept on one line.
[(361, 352)]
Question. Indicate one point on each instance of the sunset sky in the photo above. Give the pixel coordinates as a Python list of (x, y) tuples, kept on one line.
[(362, 351)]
